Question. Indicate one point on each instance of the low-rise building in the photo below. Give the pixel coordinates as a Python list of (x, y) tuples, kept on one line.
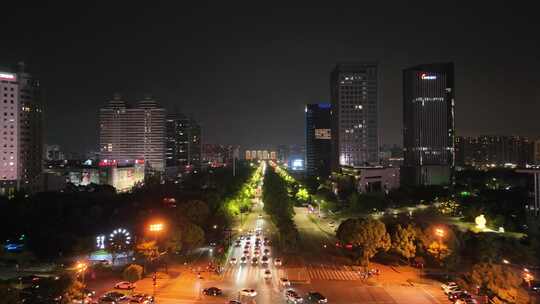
[(373, 178)]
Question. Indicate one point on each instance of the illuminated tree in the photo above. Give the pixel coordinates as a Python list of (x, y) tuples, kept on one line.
[(439, 251), (499, 280), (403, 241), (369, 236), (302, 195), (133, 273)]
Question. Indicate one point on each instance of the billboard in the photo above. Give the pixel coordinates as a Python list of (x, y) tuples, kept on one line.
[(323, 134)]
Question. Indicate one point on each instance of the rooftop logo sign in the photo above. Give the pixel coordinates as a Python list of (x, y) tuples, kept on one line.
[(425, 76)]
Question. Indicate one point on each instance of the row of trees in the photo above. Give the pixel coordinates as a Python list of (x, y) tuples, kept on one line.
[(442, 246), (62, 224), (278, 205)]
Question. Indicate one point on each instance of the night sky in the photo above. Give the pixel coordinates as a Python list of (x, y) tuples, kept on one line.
[(246, 71)]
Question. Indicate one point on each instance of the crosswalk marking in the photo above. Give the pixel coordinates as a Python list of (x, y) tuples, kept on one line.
[(332, 273), (313, 272)]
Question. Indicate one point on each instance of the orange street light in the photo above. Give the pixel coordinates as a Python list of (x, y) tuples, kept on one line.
[(81, 268), (439, 232), (156, 227)]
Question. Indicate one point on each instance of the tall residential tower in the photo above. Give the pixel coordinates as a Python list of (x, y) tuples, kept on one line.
[(132, 133), (355, 100), (21, 144), (428, 124)]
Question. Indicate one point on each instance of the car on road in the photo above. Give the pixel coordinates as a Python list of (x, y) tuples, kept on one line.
[(456, 294), (255, 261), (233, 261), (316, 297), (212, 291), (285, 282), (243, 260), (141, 298), (124, 285), (256, 253), (445, 287), (112, 297), (234, 302), (459, 296), (106, 300), (466, 301), (535, 286), (264, 259), (266, 251), (293, 297), (267, 274), (277, 262), (246, 252), (248, 292), (260, 216), (451, 289)]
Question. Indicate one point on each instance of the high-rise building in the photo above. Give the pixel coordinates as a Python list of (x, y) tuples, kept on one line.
[(53, 153), (21, 146), (355, 99), (219, 155), (135, 132), (428, 124), (536, 152), (183, 151), (318, 139), (494, 150)]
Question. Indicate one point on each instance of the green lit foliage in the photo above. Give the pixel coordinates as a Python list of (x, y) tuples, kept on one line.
[(278, 205), (243, 198), (302, 195)]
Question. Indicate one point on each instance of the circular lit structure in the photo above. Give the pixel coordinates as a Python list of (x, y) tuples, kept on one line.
[(120, 237), (480, 222)]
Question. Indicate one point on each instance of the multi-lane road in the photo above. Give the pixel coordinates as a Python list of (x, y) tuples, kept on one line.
[(314, 266)]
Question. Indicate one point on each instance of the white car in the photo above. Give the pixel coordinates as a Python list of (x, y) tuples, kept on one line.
[(267, 274), (248, 292), (124, 285), (277, 262), (451, 289), (233, 261), (293, 297), (447, 285), (285, 282)]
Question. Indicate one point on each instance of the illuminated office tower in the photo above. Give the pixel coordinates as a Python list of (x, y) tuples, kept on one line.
[(355, 101), (318, 139), (428, 124)]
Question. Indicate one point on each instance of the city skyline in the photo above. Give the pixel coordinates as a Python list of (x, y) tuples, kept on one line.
[(224, 74)]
